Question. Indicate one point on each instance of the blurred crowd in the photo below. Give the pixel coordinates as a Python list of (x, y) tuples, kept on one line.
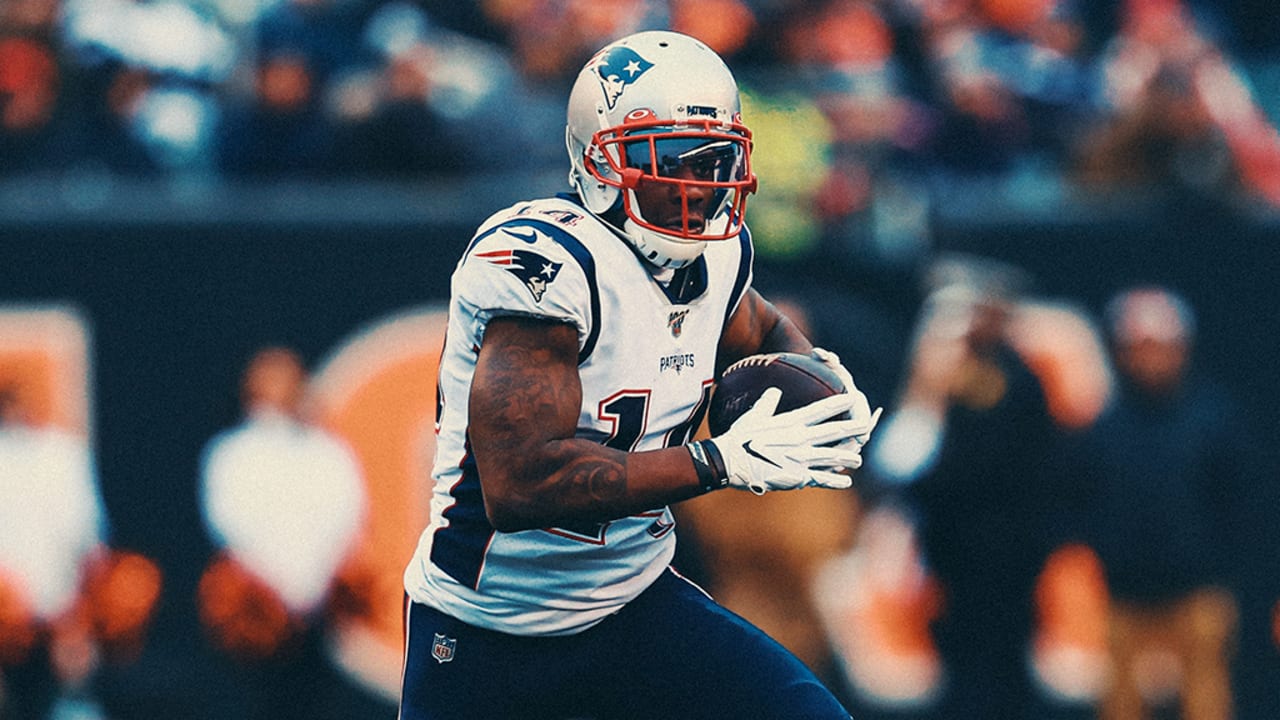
[(876, 97)]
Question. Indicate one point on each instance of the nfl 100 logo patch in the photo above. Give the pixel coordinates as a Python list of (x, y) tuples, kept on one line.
[(442, 649), (675, 321)]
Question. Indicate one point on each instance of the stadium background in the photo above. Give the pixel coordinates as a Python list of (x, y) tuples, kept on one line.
[(181, 262)]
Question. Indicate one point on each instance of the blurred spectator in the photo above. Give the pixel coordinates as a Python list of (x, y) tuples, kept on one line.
[(852, 52), (795, 142), (1007, 79), (876, 603), (850, 59), (148, 100), (280, 130), (1166, 466), (68, 601), (34, 124), (281, 126), (844, 52), (284, 502), (1062, 344), (114, 97), (880, 599), (324, 32), (469, 87), (550, 39), (1156, 129), (724, 25), (1177, 113), (28, 16), (968, 452), (385, 124)]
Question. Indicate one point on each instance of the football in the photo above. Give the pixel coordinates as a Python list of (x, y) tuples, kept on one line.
[(801, 378)]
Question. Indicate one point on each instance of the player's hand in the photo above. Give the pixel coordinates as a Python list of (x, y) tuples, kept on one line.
[(765, 450), (861, 408)]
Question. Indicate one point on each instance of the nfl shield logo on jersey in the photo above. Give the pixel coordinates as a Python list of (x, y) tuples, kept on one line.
[(675, 321), (443, 647)]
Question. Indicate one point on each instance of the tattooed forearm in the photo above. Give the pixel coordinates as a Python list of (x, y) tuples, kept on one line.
[(593, 479), (519, 404), (575, 486), (534, 472), (524, 412)]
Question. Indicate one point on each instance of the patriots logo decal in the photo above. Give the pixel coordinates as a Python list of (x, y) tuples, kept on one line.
[(534, 270), (616, 69)]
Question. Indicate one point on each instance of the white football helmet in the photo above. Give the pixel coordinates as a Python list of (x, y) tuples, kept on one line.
[(661, 107)]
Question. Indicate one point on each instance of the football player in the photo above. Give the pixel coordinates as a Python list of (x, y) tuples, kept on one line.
[(585, 334)]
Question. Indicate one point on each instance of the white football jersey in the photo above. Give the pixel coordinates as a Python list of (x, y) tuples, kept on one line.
[(647, 357)]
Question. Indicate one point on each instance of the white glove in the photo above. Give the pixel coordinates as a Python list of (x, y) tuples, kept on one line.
[(861, 408), (765, 451)]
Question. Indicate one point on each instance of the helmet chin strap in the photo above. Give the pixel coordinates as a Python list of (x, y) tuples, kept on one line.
[(660, 250)]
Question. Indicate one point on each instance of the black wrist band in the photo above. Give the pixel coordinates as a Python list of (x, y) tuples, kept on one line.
[(709, 464)]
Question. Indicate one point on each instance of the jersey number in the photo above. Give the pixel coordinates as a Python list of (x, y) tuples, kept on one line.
[(628, 412)]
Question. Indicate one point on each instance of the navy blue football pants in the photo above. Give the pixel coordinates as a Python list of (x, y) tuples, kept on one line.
[(670, 653)]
